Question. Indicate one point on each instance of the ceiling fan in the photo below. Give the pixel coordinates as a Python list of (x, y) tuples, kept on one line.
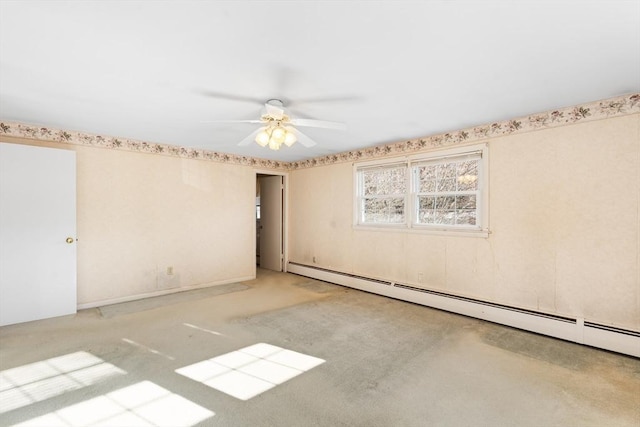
[(279, 128)]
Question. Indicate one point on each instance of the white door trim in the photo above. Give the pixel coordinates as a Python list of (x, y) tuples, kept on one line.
[(285, 212)]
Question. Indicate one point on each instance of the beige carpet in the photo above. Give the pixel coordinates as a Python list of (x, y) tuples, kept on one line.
[(284, 350)]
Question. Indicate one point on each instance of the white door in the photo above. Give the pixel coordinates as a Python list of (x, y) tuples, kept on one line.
[(37, 233), (271, 222)]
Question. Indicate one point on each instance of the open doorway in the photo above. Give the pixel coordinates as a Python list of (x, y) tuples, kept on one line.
[(270, 221)]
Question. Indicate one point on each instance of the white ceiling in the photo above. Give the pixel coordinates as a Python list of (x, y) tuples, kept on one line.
[(391, 70)]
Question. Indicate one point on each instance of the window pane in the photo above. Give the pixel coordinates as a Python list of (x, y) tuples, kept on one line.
[(467, 175), (426, 177), (448, 184), (446, 203), (426, 217), (446, 171), (439, 186), (427, 172), (466, 217), (445, 217), (426, 206), (447, 177), (384, 181), (465, 202), (384, 210), (426, 202)]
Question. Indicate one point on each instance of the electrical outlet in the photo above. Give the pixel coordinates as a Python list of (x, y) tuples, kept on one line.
[(314, 260), (170, 271), (420, 277)]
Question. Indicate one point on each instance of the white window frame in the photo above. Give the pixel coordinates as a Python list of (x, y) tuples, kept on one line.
[(481, 229), (360, 198)]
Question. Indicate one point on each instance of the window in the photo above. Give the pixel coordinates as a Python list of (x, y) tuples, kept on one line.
[(435, 191), (446, 191), (383, 194)]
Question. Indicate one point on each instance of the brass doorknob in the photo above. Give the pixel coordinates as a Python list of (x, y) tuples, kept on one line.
[(69, 240)]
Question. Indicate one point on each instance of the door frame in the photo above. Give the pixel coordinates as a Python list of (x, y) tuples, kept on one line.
[(285, 215)]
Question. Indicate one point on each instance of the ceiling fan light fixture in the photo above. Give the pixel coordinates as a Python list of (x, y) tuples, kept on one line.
[(290, 138), (279, 134), (273, 144), (278, 128), (263, 138)]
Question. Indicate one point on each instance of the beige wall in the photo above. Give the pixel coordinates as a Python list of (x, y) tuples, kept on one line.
[(141, 213), (564, 225)]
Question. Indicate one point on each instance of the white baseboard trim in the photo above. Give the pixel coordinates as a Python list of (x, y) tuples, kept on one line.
[(566, 328), (129, 298)]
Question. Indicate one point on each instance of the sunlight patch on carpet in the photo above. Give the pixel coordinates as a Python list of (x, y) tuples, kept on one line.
[(141, 404), (35, 382), (250, 371)]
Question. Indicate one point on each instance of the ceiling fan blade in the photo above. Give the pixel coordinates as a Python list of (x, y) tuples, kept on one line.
[(317, 100), (228, 96), (232, 121), (250, 138), (302, 138), (318, 124)]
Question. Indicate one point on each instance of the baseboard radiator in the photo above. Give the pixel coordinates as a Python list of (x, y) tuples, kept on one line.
[(567, 328)]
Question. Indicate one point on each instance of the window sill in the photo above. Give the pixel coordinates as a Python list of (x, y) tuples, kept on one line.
[(423, 230)]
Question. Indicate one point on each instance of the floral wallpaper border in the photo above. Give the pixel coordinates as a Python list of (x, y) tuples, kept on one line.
[(79, 138), (598, 110)]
